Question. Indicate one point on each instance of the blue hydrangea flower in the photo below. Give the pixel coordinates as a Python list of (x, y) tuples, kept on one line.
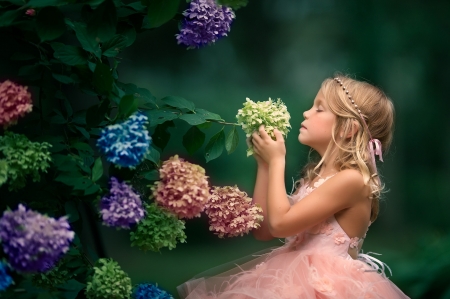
[(150, 291), (122, 207), (5, 279), (33, 242), (127, 143), (204, 23)]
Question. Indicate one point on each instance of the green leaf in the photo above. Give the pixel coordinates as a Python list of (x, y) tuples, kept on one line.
[(95, 114), (67, 107), (43, 3), (208, 115), (71, 210), (50, 23), (143, 95), (70, 55), (102, 79), (58, 119), (158, 116), (91, 189), (69, 179), (127, 31), (82, 147), (161, 136), (215, 146), (179, 103), (88, 43), (232, 140), (193, 119), (102, 25), (71, 289), (114, 45), (152, 175), (193, 140), (153, 155), (63, 78), (97, 170), (161, 11), (8, 17), (84, 132), (128, 105)]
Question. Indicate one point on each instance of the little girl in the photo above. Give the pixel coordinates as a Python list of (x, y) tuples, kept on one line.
[(326, 219)]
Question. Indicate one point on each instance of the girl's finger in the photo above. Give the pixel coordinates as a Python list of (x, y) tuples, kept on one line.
[(278, 135), (263, 132)]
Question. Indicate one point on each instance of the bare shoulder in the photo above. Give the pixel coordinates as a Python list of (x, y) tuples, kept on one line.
[(349, 185)]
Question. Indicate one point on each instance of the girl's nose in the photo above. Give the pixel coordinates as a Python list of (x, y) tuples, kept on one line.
[(305, 115)]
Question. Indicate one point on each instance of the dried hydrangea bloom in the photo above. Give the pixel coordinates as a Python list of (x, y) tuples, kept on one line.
[(231, 212), (15, 102), (205, 22), (273, 115), (122, 207), (33, 242), (183, 188), (127, 143)]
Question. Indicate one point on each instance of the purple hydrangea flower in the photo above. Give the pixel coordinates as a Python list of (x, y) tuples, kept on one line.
[(127, 143), (33, 242), (5, 279), (123, 207), (204, 23), (150, 291)]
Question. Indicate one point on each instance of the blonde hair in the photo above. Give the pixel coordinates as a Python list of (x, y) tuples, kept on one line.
[(353, 153)]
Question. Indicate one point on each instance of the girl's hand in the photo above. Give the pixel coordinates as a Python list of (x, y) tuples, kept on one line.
[(266, 148), (258, 159)]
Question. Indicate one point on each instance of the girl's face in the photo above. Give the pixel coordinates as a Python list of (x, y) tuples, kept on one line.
[(315, 130)]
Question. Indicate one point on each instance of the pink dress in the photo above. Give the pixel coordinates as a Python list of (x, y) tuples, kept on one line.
[(312, 264)]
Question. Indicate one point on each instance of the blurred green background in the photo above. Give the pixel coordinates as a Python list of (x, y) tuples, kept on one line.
[(285, 49)]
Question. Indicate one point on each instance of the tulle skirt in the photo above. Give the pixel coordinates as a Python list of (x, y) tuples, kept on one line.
[(293, 274)]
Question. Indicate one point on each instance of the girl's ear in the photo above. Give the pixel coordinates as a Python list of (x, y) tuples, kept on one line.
[(354, 129)]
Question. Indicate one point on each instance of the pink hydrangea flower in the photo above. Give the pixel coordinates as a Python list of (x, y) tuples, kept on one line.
[(183, 188), (15, 102), (30, 12), (339, 238), (231, 212)]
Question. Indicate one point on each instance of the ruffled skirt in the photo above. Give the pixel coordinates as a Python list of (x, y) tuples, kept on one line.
[(291, 274)]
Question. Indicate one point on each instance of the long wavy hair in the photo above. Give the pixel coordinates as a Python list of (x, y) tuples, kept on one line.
[(353, 152)]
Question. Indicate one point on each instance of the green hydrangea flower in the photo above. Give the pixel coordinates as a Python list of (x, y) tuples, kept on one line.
[(23, 158), (108, 282), (268, 113), (158, 229)]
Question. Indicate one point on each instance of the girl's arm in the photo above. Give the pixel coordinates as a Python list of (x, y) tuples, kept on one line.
[(260, 198), (337, 193)]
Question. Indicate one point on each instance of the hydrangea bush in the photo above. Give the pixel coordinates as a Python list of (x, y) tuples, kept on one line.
[(84, 128), (231, 212), (271, 114), (148, 290)]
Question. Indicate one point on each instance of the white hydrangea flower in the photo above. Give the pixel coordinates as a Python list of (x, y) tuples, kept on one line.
[(269, 113)]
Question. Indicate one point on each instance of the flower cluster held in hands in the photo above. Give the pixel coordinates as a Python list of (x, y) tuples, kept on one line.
[(183, 188), (127, 143), (33, 242), (122, 207), (15, 102), (205, 22), (273, 115), (231, 212)]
